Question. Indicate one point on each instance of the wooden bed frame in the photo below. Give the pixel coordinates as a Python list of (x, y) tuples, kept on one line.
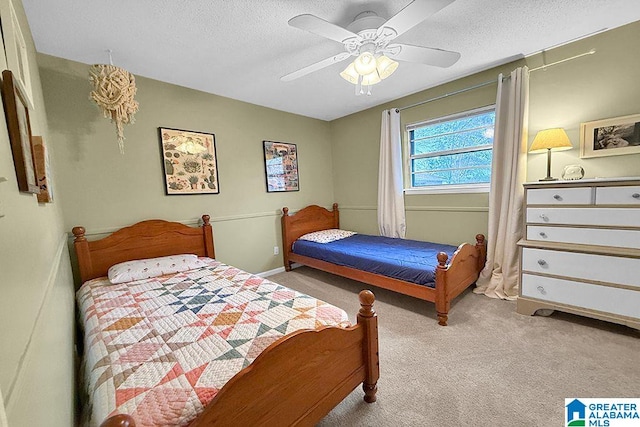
[(297, 380), (451, 279)]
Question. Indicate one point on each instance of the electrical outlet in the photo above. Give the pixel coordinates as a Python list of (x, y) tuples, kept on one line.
[(276, 250)]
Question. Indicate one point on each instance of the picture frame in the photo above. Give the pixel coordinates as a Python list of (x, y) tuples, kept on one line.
[(610, 137), (190, 163), (281, 166), (43, 169), (17, 55), (19, 128)]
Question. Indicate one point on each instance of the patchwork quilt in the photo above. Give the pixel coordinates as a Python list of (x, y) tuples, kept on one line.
[(160, 349)]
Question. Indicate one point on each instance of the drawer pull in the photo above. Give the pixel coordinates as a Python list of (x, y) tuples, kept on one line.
[(543, 234), (636, 195), (542, 262), (557, 197), (541, 290), (544, 217)]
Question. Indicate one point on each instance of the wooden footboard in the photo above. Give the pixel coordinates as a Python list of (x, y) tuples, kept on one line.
[(298, 379), (452, 276)]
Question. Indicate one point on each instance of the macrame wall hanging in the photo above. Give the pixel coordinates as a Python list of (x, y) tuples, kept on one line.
[(113, 91)]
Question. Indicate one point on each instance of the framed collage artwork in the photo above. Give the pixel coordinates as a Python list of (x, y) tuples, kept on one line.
[(281, 166), (190, 162)]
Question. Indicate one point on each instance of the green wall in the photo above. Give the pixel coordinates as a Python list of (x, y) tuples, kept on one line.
[(103, 190), (593, 87), (36, 307), (95, 186), (599, 86)]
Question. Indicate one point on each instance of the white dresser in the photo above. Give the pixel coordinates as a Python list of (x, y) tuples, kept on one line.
[(581, 251)]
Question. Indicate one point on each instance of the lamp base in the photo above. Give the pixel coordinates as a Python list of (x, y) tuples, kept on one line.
[(548, 179)]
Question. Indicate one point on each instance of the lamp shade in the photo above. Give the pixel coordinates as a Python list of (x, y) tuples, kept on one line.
[(386, 66), (365, 63), (371, 79), (555, 139), (350, 74)]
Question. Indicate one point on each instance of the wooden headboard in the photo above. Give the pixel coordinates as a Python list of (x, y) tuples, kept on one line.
[(312, 218), (146, 239)]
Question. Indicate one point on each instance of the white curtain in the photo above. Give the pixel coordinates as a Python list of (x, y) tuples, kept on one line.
[(391, 219), (499, 278)]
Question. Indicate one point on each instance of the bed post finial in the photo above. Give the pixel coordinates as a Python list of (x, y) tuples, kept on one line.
[(119, 420), (368, 318), (79, 233), (335, 206), (285, 211), (442, 259), (207, 234), (481, 247), (442, 301)]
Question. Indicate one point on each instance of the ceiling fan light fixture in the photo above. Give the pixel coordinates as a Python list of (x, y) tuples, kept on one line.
[(365, 63), (371, 79), (385, 66), (350, 74)]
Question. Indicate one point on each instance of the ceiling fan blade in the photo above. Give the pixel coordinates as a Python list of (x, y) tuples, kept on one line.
[(423, 55), (319, 26), (315, 67), (413, 14)]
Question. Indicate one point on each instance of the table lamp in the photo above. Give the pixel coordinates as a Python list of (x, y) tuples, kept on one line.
[(550, 139)]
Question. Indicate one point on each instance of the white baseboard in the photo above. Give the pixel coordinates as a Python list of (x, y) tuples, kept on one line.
[(277, 270), (271, 272)]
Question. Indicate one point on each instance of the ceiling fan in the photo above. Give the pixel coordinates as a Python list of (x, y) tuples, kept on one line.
[(369, 38)]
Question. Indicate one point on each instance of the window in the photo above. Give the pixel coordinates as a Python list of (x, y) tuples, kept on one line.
[(453, 153)]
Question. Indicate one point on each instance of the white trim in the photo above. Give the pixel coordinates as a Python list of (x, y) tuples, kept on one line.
[(423, 208), (450, 117), (271, 272), (14, 387), (449, 189), (3, 414), (197, 222)]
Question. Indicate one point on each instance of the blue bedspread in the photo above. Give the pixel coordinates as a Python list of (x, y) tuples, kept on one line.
[(408, 260)]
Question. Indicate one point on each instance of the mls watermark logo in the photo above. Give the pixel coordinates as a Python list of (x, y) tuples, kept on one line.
[(594, 412)]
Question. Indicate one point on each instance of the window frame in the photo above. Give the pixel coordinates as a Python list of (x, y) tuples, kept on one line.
[(441, 189)]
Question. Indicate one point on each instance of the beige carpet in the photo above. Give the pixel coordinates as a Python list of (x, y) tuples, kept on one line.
[(489, 367)]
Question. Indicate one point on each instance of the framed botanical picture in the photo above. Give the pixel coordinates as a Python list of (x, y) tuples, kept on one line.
[(19, 128), (190, 162), (610, 137), (281, 166)]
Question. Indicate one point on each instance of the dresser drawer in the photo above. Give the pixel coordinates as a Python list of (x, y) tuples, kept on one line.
[(624, 217), (629, 195), (560, 196), (602, 268), (624, 302), (585, 236)]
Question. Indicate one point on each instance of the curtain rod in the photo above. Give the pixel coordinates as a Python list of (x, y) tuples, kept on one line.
[(591, 52)]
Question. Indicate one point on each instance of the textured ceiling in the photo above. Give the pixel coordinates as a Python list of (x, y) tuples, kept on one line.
[(240, 48)]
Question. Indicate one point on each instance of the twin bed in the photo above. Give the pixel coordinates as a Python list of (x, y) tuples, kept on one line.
[(175, 337), (205, 343), (431, 272)]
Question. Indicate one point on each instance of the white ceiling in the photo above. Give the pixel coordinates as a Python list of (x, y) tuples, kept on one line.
[(240, 48)]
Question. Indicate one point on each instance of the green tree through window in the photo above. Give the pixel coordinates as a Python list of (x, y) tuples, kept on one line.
[(454, 150)]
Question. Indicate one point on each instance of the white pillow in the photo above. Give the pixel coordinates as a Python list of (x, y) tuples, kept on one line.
[(326, 236), (153, 267)]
